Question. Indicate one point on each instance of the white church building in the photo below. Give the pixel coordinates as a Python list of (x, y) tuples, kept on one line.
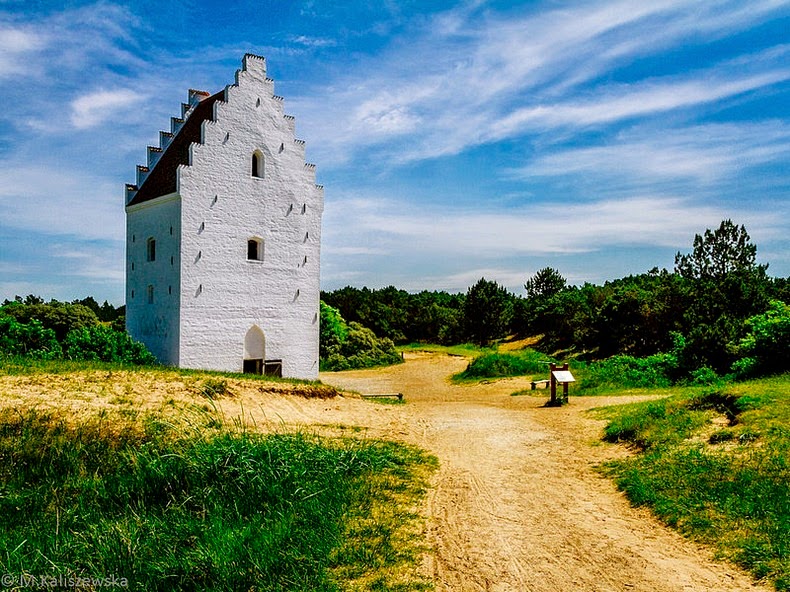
[(223, 237)]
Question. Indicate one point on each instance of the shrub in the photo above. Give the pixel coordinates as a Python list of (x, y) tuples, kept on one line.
[(497, 365), (58, 316), (766, 348), (626, 371), (104, 344), (346, 346), (31, 339)]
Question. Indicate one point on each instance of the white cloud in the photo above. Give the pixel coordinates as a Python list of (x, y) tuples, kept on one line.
[(91, 262), (473, 77), (430, 247), (15, 43), (629, 102), (539, 229), (641, 157), (94, 108), (313, 41), (47, 200)]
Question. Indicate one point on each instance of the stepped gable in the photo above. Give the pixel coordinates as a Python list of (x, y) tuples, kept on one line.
[(163, 179)]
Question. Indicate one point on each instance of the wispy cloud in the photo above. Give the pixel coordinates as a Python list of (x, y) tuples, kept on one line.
[(15, 44), (487, 77), (643, 156), (313, 41), (46, 200), (544, 228), (92, 109), (454, 248)]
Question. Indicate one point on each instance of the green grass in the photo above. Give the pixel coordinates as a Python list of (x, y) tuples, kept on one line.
[(526, 362), (465, 350), (22, 365), (193, 508), (714, 462)]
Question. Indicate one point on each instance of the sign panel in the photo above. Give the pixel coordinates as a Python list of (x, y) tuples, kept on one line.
[(563, 376)]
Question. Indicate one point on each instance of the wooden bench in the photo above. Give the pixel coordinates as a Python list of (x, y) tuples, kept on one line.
[(381, 395), (534, 384)]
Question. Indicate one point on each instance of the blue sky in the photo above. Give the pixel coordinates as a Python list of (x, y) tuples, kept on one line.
[(454, 140)]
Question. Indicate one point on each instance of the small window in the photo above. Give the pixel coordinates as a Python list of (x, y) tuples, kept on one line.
[(257, 164), (255, 249), (150, 293), (150, 250)]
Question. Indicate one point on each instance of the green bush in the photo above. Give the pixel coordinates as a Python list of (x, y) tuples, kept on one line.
[(766, 348), (626, 371), (31, 339), (498, 365), (100, 343), (72, 331), (347, 346), (58, 316)]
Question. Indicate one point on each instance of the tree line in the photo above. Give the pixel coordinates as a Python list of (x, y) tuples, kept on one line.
[(77, 330), (718, 309), (702, 311)]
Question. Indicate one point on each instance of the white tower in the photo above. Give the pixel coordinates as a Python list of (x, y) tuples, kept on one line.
[(223, 237)]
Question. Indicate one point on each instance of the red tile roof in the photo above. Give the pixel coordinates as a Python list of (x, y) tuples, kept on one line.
[(162, 179)]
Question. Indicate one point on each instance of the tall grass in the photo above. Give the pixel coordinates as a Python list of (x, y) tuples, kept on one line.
[(467, 350), (725, 483), (498, 365), (196, 509)]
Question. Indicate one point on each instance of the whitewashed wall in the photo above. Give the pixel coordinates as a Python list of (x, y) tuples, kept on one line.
[(224, 294), (155, 324)]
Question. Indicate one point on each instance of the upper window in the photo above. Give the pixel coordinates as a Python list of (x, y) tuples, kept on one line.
[(255, 249), (258, 164), (150, 250)]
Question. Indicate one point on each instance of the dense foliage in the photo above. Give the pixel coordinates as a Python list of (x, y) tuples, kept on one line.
[(73, 331), (766, 346), (488, 311), (699, 313), (344, 346), (431, 317)]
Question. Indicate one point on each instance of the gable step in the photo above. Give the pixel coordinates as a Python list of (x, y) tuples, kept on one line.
[(164, 139), (142, 173), (154, 154), (175, 124), (131, 191)]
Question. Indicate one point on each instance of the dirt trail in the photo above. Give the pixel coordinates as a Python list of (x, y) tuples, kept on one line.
[(517, 504)]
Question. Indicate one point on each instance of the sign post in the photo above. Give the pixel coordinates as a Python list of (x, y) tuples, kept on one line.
[(559, 374)]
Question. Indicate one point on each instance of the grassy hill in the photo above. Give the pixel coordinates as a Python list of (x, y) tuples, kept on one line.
[(714, 462), (156, 477)]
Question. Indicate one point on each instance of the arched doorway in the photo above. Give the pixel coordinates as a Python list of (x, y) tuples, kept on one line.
[(254, 351)]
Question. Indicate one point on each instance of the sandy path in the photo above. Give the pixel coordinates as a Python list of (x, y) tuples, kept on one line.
[(517, 504)]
